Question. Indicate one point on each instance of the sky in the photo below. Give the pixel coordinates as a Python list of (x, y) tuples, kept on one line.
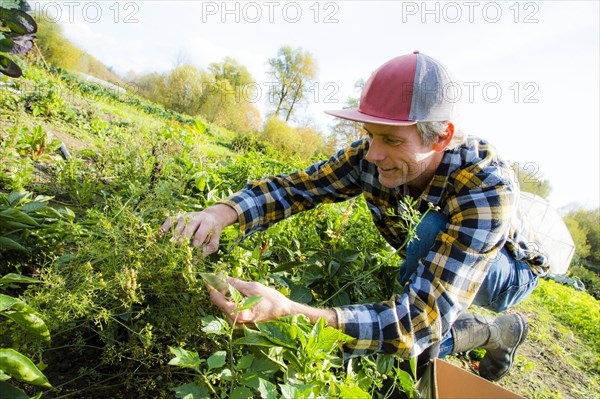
[(528, 70)]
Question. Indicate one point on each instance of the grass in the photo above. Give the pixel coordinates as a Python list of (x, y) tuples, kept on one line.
[(561, 357)]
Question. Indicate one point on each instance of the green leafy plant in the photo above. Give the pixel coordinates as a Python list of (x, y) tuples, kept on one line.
[(36, 143), (16, 34), (289, 358), (27, 222), (13, 364)]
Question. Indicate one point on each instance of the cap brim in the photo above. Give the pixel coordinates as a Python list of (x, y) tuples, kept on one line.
[(354, 114)]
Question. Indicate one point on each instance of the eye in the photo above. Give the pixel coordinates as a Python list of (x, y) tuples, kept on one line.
[(392, 141)]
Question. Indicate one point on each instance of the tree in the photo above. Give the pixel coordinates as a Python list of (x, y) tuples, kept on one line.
[(588, 221), (304, 141), (60, 52), (229, 69), (345, 132), (293, 71), (228, 97), (151, 86), (579, 235), (530, 181), (184, 89)]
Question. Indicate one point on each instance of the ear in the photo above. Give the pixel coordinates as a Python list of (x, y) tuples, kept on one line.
[(444, 141)]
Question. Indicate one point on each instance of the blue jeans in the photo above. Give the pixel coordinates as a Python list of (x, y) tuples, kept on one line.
[(507, 283)]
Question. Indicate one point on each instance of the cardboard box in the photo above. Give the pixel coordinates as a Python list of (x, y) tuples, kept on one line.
[(443, 380)]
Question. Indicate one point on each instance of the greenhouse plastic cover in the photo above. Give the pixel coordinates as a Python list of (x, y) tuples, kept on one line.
[(551, 231)]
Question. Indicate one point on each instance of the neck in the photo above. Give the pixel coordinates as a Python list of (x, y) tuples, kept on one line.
[(417, 186)]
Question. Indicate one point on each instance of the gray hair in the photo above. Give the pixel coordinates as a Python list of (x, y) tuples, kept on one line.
[(430, 131)]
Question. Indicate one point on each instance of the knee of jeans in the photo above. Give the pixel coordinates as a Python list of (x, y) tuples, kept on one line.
[(512, 296)]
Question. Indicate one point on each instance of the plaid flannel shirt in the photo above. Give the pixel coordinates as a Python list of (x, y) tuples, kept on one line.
[(472, 186)]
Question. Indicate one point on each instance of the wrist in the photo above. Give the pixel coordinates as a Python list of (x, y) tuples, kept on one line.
[(314, 314), (226, 213)]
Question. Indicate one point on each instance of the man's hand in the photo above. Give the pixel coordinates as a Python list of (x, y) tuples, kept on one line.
[(203, 228), (272, 305)]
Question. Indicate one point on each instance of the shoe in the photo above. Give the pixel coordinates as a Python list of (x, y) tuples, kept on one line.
[(499, 336)]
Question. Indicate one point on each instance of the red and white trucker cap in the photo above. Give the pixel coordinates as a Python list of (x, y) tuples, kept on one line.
[(405, 90)]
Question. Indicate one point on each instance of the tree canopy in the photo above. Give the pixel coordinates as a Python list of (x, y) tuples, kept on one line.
[(293, 71)]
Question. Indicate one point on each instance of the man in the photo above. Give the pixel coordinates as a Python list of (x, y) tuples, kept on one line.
[(475, 249)]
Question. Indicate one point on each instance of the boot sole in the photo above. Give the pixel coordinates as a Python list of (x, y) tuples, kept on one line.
[(524, 331)]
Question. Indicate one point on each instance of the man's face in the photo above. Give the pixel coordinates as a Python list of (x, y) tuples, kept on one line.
[(400, 155)]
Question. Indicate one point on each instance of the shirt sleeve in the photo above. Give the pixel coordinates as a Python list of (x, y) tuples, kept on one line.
[(266, 201), (447, 278)]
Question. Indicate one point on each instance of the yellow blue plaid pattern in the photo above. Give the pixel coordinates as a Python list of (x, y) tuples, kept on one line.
[(472, 186)]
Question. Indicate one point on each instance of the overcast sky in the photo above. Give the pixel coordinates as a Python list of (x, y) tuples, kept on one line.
[(529, 70)]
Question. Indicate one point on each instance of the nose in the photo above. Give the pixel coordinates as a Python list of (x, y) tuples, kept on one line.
[(375, 152)]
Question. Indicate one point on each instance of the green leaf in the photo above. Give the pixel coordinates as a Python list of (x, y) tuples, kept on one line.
[(18, 21), (413, 367), (345, 256), (253, 338), (225, 375), (33, 206), (245, 361), (406, 383), (8, 244), (325, 339), (279, 333), (266, 389), (17, 278), (191, 391), (31, 322), (311, 274), (16, 196), (216, 281), (266, 366), (199, 126), (288, 391), (22, 368), (235, 295), (384, 363), (352, 392), (297, 391), (298, 293), (286, 266), (217, 360), (241, 393), (9, 68), (249, 302), (18, 216), (214, 326), (184, 358), (7, 391), (18, 4), (7, 302), (6, 43), (334, 266), (341, 299), (11, 224)]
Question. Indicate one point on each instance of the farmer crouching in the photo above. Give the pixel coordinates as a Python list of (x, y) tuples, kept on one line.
[(475, 249)]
